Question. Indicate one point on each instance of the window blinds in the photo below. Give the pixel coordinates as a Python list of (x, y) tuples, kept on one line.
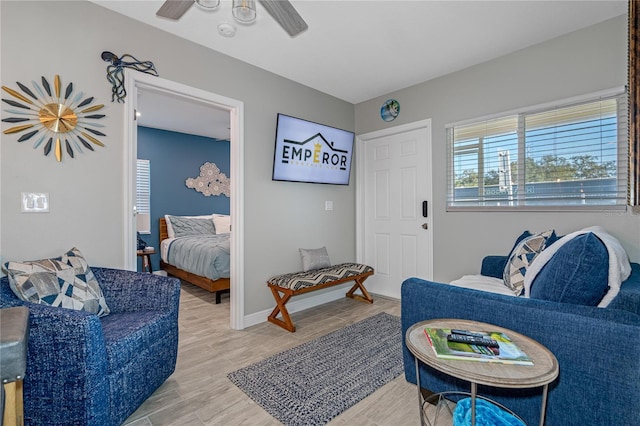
[(570, 155), (143, 196)]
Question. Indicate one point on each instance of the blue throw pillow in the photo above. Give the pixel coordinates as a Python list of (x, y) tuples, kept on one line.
[(578, 273)]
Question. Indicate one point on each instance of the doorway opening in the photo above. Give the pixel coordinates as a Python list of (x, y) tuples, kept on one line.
[(135, 82)]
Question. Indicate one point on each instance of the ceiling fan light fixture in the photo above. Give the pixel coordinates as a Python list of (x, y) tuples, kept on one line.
[(244, 11), (208, 4)]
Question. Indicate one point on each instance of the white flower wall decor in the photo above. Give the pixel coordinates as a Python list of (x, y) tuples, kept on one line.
[(211, 181)]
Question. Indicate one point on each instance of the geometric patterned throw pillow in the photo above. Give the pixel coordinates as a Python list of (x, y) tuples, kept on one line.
[(522, 256), (65, 281)]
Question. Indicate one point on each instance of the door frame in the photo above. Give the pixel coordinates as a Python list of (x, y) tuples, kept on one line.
[(360, 182), (133, 82)]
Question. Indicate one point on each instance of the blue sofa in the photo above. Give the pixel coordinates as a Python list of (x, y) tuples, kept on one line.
[(598, 349), (86, 370)]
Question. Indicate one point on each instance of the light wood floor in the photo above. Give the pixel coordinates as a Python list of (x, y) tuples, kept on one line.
[(199, 393)]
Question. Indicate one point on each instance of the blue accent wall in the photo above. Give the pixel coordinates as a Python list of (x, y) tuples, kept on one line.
[(174, 157)]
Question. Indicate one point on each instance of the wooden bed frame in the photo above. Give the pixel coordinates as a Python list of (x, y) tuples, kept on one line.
[(219, 286)]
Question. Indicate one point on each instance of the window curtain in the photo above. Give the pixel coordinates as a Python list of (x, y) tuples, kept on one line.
[(634, 103)]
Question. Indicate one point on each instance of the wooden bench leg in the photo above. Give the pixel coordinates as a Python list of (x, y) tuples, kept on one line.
[(359, 284), (287, 324)]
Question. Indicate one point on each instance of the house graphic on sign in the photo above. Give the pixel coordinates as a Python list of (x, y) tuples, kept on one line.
[(322, 153)]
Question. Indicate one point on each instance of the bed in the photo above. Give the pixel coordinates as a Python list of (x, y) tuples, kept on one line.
[(218, 280)]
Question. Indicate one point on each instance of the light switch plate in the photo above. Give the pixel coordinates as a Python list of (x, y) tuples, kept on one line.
[(35, 202), (328, 205)]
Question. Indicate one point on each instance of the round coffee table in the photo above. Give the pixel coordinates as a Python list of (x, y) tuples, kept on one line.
[(543, 371)]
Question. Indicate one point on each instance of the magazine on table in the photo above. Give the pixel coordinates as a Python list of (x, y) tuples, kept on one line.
[(507, 352)]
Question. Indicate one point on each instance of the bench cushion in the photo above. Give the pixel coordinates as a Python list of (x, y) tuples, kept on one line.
[(299, 280)]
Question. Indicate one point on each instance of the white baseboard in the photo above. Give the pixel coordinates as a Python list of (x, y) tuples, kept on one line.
[(296, 306)]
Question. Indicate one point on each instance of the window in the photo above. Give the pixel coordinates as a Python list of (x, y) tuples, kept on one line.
[(569, 156), (143, 196)]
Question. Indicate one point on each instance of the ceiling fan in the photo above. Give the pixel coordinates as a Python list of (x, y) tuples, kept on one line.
[(281, 10)]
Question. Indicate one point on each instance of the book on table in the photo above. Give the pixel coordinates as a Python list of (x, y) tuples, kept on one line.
[(508, 353)]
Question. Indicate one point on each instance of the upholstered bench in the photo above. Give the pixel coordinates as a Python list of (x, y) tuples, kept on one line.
[(295, 283)]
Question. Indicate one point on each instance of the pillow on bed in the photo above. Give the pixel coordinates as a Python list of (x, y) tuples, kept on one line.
[(168, 218), (184, 226), (222, 223), (314, 259)]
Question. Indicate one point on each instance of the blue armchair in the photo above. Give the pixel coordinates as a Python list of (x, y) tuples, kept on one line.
[(86, 370), (597, 348)]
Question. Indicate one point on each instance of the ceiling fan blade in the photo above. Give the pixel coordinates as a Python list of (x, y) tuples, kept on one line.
[(174, 9), (286, 15)]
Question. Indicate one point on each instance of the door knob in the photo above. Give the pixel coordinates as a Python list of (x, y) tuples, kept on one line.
[(425, 226)]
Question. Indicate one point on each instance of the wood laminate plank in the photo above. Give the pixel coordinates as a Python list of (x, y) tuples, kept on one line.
[(199, 392)]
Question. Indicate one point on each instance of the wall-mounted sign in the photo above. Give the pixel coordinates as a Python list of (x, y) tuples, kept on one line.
[(311, 152)]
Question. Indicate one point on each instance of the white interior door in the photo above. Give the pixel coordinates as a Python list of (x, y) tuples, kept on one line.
[(396, 232)]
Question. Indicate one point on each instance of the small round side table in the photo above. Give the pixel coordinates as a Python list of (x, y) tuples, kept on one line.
[(543, 371), (146, 259)]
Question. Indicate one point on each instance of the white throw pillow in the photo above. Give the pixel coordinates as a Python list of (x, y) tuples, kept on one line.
[(222, 223)]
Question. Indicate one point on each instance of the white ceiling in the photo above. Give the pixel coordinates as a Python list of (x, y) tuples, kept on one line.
[(356, 50), (161, 111)]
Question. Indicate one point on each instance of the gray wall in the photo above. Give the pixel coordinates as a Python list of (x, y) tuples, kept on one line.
[(582, 62), (87, 209), (86, 196)]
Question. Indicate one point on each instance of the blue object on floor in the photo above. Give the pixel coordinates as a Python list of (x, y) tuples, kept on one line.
[(487, 414)]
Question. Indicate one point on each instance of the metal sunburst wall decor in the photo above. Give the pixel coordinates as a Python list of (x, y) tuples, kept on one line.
[(59, 117)]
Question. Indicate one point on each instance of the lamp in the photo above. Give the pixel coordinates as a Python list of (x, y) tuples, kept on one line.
[(143, 222), (208, 4), (244, 11)]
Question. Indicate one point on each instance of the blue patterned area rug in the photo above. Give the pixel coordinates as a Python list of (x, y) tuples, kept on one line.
[(316, 381)]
